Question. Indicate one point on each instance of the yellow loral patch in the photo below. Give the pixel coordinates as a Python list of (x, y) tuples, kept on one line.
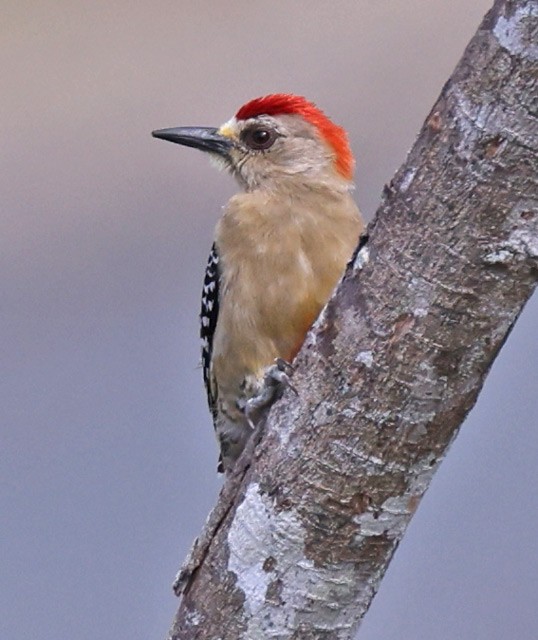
[(228, 129)]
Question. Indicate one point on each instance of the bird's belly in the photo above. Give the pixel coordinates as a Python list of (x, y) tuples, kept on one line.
[(274, 322)]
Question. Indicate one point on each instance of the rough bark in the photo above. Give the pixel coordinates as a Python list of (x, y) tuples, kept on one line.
[(392, 366)]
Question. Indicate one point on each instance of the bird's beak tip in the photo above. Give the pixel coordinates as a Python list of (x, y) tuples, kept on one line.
[(160, 133)]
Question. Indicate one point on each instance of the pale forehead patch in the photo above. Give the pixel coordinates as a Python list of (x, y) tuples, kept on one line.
[(228, 129)]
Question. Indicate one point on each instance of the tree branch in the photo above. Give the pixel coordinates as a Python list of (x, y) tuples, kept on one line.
[(303, 534)]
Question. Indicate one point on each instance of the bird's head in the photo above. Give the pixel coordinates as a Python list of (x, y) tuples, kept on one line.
[(273, 139)]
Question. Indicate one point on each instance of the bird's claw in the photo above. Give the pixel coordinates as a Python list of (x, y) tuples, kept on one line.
[(279, 375), (276, 380)]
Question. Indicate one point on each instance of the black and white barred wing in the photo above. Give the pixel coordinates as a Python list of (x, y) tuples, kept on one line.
[(208, 322)]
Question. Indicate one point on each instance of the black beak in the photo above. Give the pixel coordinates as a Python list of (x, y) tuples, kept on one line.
[(204, 138)]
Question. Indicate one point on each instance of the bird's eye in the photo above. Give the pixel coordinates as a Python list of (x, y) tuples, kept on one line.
[(259, 138)]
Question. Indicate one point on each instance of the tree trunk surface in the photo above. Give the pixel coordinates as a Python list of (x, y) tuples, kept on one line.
[(391, 368)]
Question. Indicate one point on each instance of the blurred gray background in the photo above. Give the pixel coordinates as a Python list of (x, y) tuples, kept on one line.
[(107, 458)]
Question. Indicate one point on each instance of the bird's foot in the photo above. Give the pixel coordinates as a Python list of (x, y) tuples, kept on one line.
[(276, 379)]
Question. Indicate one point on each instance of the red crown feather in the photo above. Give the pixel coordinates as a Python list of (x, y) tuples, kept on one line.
[(284, 103)]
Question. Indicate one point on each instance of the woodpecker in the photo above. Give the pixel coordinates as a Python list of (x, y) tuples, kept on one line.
[(279, 250)]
